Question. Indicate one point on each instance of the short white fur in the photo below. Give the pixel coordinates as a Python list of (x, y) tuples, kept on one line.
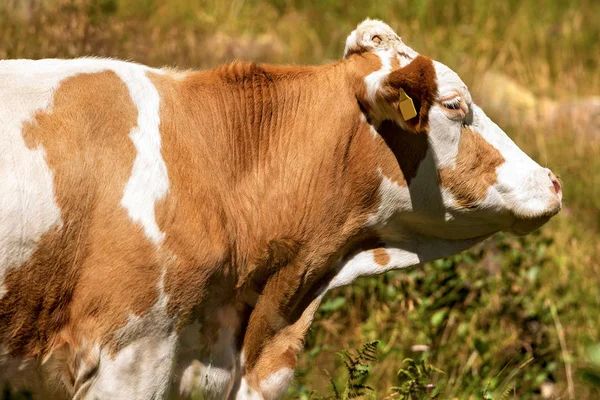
[(149, 181)]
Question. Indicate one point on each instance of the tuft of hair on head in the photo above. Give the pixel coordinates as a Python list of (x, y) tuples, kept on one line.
[(373, 35)]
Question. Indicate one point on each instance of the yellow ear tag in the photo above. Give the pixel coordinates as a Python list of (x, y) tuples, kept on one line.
[(407, 107)]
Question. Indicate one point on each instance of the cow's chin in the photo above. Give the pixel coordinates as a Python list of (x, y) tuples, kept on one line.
[(522, 227), (527, 223)]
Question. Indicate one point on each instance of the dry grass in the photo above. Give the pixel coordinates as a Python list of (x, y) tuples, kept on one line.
[(486, 316)]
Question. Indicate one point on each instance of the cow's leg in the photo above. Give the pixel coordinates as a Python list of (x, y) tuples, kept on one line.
[(212, 372), (207, 355), (271, 374), (139, 370)]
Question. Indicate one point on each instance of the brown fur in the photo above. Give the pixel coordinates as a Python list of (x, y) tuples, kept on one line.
[(263, 146), (418, 79), (475, 170), (381, 256)]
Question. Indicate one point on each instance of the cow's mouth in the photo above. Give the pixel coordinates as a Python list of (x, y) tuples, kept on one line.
[(523, 226), (524, 223)]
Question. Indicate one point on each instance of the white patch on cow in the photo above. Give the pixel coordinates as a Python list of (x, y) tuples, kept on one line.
[(242, 357), (142, 368), (392, 199), (412, 251), (375, 80), (449, 83), (276, 384), (351, 44), (364, 120), (213, 382), (247, 392), (149, 181), (446, 146), (363, 264), (372, 35), (446, 138), (423, 195)]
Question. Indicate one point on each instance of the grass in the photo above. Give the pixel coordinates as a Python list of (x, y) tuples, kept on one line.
[(513, 318)]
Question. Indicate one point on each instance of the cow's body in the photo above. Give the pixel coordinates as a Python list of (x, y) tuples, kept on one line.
[(152, 215)]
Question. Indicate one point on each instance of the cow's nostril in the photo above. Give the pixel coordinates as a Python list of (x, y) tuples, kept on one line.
[(556, 186)]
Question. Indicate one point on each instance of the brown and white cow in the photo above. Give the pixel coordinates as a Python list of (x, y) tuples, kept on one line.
[(164, 228)]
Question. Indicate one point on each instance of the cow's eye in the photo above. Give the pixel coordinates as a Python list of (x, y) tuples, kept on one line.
[(453, 104)]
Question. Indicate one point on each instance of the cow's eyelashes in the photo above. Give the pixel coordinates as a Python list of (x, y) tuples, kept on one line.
[(453, 104), (454, 108)]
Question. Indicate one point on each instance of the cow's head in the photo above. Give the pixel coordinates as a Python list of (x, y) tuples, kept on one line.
[(449, 172)]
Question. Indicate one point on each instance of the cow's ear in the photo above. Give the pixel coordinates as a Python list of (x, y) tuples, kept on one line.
[(412, 90)]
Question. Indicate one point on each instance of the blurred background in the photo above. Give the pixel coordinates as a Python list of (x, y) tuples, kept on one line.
[(514, 317)]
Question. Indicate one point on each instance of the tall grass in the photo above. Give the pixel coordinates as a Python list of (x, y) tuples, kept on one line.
[(516, 316)]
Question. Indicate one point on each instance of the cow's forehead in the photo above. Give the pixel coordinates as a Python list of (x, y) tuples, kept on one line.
[(449, 83), (376, 36)]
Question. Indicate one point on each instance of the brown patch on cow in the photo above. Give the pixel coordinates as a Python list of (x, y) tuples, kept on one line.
[(361, 65), (87, 276), (275, 306), (475, 170), (381, 257), (395, 64), (192, 215)]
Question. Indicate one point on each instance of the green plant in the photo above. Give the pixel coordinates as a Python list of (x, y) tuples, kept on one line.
[(415, 381), (357, 367)]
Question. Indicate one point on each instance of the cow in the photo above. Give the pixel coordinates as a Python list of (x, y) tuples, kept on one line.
[(165, 230)]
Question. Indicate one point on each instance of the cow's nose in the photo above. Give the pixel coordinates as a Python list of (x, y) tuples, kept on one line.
[(556, 187)]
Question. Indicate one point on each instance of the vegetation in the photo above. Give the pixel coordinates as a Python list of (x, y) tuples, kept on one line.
[(514, 317)]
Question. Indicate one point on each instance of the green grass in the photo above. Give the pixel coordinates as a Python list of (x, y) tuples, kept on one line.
[(506, 319)]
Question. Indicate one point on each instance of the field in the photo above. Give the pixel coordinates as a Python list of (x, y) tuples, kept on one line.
[(514, 317)]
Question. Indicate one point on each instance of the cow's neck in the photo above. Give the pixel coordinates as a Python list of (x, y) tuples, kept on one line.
[(280, 154), (271, 183)]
